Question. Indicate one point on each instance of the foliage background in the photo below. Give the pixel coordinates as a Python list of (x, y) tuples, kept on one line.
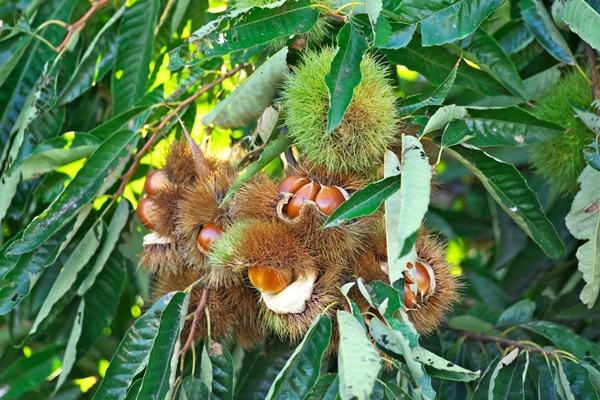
[(86, 109)]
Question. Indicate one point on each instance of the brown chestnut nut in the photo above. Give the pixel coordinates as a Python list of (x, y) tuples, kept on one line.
[(268, 280), (155, 181), (292, 183), (328, 199), (145, 212), (208, 235), (307, 192), (425, 278), (410, 299)]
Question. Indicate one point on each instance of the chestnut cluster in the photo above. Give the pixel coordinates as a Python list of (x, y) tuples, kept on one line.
[(326, 198)]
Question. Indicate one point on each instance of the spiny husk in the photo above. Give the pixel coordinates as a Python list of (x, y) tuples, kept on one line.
[(233, 311), (260, 198), (559, 160), (179, 164), (369, 126), (264, 242), (163, 259), (199, 206), (433, 251), (325, 292)]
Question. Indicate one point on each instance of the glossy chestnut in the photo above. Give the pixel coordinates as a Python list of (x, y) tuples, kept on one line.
[(146, 213), (292, 183), (269, 280), (208, 235), (329, 199), (307, 192), (155, 181)]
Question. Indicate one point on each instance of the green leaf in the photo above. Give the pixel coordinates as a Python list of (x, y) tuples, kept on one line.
[(481, 390), (364, 201), (470, 323), (436, 63), (518, 313), (270, 152), (28, 268), (303, 368), (133, 352), (508, 378), (412, 104), (562, 383), (445, 22), (134, 53), (506, 185), (513, 37), (358, 361), (248, 28), (546, 389), (117, 123), (583, 221), (399, 35), (95, 63), (164, 355), (98, 169), (193, 388), (28, 372), (71, 350), (117, 223), (222, 371), (68, 274), (591, 154), (492, 59), (442, 117), (547, 34), (107, 286), (414, 200), (320, 389), (345, 73), (565, 339), (509, 126), (57, 152), (439, 367), (25, 75), (17, 52), (247, 102), (580, 381), (590, 119), (583, 20), (261, 367), (399, 344)]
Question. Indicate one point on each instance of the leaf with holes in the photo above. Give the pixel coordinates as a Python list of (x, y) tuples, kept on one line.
[(583, 221), (358, 361), (247, 28)]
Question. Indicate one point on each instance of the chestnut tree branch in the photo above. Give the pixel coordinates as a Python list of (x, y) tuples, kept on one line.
[(81, 22)]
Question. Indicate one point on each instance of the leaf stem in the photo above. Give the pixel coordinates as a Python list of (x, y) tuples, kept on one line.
[(136, 160), (78, 25), (199, 309), (523, 345), (591, 59)]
